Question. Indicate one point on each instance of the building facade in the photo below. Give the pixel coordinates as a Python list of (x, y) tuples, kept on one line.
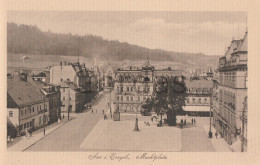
[(199, 93), (134, 86), (232, 90), (27, 107), (72, 97), (77, 74), (53, 96)]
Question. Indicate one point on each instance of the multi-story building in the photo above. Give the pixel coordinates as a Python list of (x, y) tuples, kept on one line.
[(134, 85), (53, 95), (198, 97), (78, 75), (72, 97), (27, 107), (232, 90)]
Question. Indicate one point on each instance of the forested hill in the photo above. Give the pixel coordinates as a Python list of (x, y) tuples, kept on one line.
[(27, 39)]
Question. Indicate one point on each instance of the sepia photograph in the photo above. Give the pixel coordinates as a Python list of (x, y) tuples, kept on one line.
[(127, 81)]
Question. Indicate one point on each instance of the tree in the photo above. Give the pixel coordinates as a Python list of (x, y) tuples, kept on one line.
[(168, 97)]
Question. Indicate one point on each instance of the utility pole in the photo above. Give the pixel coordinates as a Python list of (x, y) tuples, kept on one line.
[(243, 118), (69, 104), (44, 118), (210, 132)]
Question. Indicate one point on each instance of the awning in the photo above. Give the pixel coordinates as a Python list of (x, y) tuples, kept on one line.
[(196, 108)]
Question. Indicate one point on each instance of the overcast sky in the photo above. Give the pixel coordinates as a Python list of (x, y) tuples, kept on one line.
[(194, 32)]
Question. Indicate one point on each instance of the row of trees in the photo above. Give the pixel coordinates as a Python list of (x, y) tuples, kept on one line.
[(168, 97)]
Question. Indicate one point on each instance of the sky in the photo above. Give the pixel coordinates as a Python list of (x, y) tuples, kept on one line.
[(193, 32)]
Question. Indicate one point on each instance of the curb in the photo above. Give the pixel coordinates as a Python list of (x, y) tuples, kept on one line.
[(44, 136)]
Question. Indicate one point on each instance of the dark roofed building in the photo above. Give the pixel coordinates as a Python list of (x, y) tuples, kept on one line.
[(27, 107)]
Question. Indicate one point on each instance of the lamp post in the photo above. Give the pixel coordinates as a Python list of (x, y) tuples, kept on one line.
[(44, 118)]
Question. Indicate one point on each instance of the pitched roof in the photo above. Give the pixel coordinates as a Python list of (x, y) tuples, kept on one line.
[(243, 45), (198, 83), (22, 92)]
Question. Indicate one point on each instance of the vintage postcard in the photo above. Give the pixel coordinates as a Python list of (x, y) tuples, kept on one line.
[(124, 86)]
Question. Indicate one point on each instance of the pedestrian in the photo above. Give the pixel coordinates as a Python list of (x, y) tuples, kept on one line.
[(104, 117), (216, 134), (181, 121), (103, 111), (92, 111), (184, 121), (111, 115), (192, 120), (63, 115), (152, 119), (96, 110)]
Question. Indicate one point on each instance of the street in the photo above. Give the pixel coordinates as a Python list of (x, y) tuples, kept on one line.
[(70, 136), (84, 134)]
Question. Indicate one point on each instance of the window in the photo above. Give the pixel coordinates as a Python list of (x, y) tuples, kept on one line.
[(118, 98), (70, 98), (138, 88), (122, 89), (25, 111), (138, 98), (199, 101), (205, 100), (63, 89), (127, 98), (40, 107), (131, 88), (10, 113), (20, 127), (63, 98), (33, 109), (193, 100), (30, 110), (28, 124), (188, 100), (61, 79), (122, 98), (24, 125), (131, 98), (127, 88), (21, 112)]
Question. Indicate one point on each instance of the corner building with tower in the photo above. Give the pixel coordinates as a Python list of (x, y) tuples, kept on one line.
[(133, 86)]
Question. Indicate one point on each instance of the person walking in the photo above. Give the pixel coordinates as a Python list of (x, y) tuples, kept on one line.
[(92, 111), (63, 115), (192, 120), (184, 121), (216, 134), (103, 111)]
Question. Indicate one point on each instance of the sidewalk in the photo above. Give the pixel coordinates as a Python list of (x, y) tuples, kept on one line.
[(220, 144), (22, 143)]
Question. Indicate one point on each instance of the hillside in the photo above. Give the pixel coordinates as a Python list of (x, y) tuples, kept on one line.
[(27, 39)]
